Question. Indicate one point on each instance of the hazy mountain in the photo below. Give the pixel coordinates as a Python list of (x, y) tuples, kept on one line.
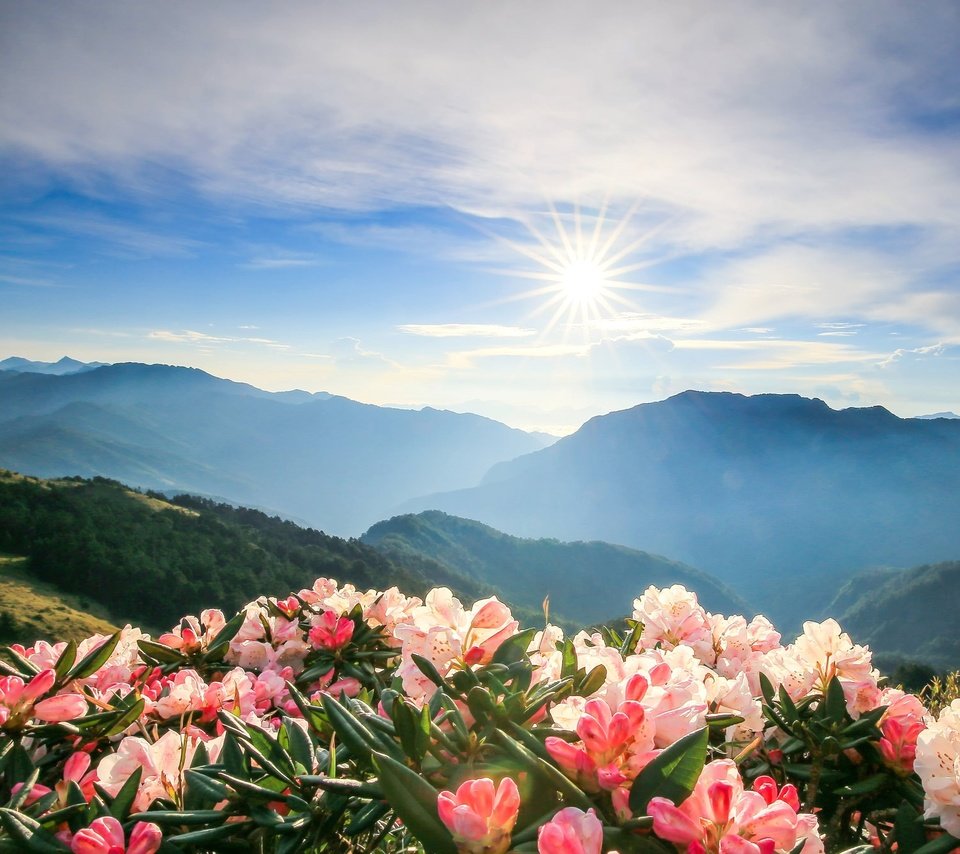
[(336, 463), (586, 582), (939, 415), (777, 495), (910, 614), (66, 365)]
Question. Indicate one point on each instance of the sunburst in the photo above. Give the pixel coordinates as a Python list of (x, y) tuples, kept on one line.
[(581, 265)]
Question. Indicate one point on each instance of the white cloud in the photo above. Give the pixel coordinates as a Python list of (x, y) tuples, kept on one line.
[(705, 110), (914, 352), (466, 330)]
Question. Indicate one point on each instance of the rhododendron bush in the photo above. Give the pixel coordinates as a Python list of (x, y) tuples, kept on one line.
[(337, 720)]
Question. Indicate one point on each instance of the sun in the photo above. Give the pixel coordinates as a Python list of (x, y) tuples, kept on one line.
[(583, 282), (580, 266)]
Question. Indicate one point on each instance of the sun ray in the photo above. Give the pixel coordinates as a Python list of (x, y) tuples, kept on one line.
[(579, 268)]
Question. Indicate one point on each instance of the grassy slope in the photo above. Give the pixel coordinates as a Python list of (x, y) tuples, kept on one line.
[(30, 609)]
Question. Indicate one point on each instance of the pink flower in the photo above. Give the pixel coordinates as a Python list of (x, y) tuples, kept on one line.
[(105, 836), (719, 816), (18, 701), (479, 817), (331, 632), (571, 831)]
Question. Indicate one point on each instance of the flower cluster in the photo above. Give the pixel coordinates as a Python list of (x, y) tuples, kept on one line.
[(336, 715)]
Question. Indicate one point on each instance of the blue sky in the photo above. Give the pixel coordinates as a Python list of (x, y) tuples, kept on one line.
[(363, 198)]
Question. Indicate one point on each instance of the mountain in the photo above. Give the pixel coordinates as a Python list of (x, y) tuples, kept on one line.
[(66, 365), (586, 582), (909, 614), (939, 415), (336, 463), (150, 560), (779, 496)]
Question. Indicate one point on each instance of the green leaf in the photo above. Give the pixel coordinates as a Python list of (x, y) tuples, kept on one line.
[(835, 703), (209, 834), (126, 796), (787, 707), (406, 725), (908, 829), (549, 774), (940, 845), (592, 681), (342, 786), (766, 688), (673, 773), (415, 801), (218, 647), (94, 660), (202, 789), (873, 783), (30, 832), (357, 738), (161, 653), (124, 720), (298, 744), (514, 648), (427, 668), (186, 817), (66, 660), (367, 817)]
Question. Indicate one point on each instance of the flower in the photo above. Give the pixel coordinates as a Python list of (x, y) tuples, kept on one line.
[(479, 817), (938, 764), (719, 816), (19, 701), (571, 831), (105, 836), (331, 632)]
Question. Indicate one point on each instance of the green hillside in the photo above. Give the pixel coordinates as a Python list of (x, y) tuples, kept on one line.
[(907, 614), (586, 582), (30, 609), (153, 560)]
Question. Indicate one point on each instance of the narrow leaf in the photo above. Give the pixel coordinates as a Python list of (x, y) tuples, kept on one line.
[(415, 801), (673, 773)]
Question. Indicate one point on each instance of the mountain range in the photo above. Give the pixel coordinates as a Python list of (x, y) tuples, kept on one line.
[(779, 496), (332, 462)]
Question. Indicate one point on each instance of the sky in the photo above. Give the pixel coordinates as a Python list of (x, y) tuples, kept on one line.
[(537, 211)]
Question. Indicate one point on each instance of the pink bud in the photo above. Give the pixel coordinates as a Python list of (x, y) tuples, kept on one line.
[(571, 831), (62, 707), (479, 817), (145, 838), (39, 685), (332, 632)]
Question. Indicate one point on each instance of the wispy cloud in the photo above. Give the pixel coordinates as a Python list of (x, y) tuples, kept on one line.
[(190, 336), (466, 330), (914, 352), (28, 281), (115, 234)]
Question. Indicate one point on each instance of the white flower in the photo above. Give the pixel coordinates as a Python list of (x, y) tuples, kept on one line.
[(938, 764)]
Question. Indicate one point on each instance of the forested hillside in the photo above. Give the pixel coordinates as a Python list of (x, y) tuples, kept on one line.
[(526, 570), (907, 614), (154, 560)]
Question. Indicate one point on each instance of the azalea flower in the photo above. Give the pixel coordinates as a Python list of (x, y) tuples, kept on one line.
[(479, 817)]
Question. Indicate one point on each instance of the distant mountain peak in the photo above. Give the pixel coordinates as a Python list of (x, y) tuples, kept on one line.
[(937, 415), (64, 365)]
